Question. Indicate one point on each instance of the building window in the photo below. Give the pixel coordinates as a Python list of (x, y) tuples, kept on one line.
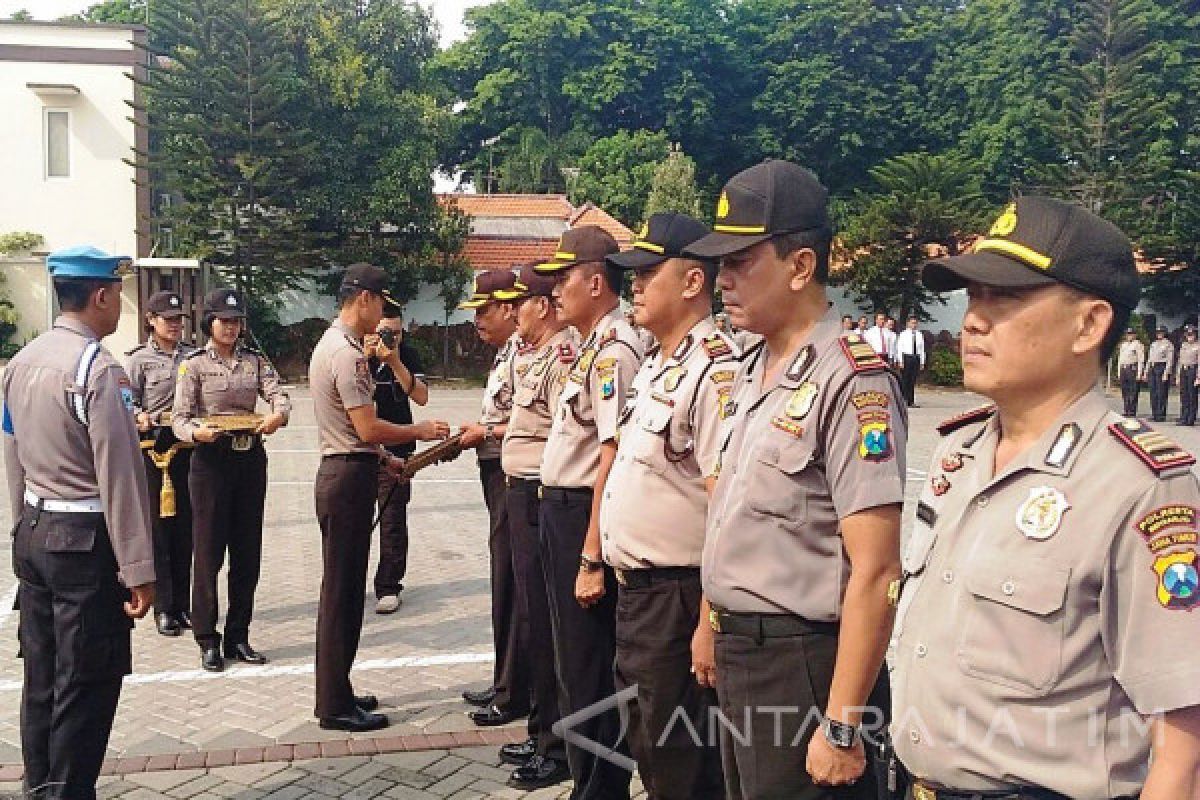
[(58, 144)]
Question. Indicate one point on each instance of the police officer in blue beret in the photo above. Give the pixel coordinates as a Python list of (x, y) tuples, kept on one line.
[(82, 547)]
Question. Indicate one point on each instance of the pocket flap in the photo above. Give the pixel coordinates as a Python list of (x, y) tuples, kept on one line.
[(72, 534), (655, 417), (525, 395), (789, 457), (1036, 587)]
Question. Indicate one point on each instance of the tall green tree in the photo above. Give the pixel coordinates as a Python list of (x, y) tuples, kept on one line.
[(616, 173), (920, 205), (674, 186), (127, 12), (223, 147), (534, 162)]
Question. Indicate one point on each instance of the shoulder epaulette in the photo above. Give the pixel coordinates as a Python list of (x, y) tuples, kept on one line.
[(254, 351), (716, 347), (860, 354), (199, 351), (966, 418), (653, 351), (136, 348), (1154, 449), (566, 353)]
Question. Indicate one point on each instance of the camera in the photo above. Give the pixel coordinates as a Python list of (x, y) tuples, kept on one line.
[(387, 337)]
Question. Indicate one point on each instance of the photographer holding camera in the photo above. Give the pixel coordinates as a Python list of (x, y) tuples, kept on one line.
[(399, 378)]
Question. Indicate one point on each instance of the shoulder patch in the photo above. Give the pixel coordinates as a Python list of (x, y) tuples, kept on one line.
[(860, 354), (966, 418), (1154, 449), (716, 347)]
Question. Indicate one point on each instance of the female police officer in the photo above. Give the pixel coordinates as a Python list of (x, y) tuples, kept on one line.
[(228, 480)]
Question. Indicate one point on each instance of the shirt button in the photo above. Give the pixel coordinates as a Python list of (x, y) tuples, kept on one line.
[(922, 650), (982, 501), (1008, 587), (914, 736), (948, 577)]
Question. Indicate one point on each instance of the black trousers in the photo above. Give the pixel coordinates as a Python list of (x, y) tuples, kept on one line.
[(1187, 395), (510, 677), (393, 534), (1130, 389), (1159, 381), (533, 614), (345, 492), (172, 536), (75, 641), (655, 625), (228, 489), (584, 643), (909, 370), (767, 761)]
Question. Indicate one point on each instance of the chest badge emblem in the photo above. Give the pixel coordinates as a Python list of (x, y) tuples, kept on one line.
[(1040, 516), (939, 485), (801, 401), (952, 463), (673, 378)]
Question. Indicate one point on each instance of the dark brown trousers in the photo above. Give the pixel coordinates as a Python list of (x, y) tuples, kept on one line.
[(510, 677)]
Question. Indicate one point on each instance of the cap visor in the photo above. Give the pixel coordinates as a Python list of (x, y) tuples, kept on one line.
[(170, 313), (550, 267), (636, 259), (391, 301), (987, 269), (719, 245), (509, 294), (229, 314), (469, 304)]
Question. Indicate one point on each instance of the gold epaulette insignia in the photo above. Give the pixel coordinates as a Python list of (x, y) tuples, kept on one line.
[(1154, 449)]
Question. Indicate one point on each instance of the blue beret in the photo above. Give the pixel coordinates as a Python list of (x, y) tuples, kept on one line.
[(85, 261)]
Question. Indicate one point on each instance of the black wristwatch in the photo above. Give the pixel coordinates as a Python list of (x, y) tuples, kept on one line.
[(839, 734), (589, 564)]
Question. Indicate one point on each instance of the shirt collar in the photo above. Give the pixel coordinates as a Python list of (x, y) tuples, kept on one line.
[(75, 326)]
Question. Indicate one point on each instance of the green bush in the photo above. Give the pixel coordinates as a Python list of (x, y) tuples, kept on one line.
[(945, 367), (19, 241)]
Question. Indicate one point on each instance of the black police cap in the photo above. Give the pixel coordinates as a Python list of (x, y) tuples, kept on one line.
[(371, 278), (225, 304), (165, 304), (665, 235), (1038, 241)]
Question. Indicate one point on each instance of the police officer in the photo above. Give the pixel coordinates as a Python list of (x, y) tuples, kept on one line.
[(496, 324), (1158, 373), (804, 524), (83, 552), (350, 434), (575, 465), (1185, 375), (653, 510), (540, 372), (1131, 368), (1052, 567), (152, 368), (228, 479)]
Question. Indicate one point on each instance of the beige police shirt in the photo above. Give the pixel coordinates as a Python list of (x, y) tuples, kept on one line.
[(1049, 604), (654, 505), (1162, 352), (1189, 355), (823, 441), (48, 451), (591, 403), (498, 394), (539, 381), (1131, 354), (209, 385), (339, 376), (152, 372)]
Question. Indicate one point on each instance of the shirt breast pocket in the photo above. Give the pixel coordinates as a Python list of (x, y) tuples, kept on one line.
[(649, 441), (775, 489), (1015, 620)]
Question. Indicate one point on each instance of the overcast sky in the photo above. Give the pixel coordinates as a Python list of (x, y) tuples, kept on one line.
[(448, 12)]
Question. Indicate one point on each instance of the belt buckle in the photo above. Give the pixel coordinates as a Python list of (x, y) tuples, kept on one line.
[(242, 442), (714, 620), (921, 792), (541, 493), (621, 577)]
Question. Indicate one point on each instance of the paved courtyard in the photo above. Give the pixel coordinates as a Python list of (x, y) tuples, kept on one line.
[(249, 732)]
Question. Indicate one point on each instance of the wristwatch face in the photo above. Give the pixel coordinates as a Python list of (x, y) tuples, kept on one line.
[(839, 734)]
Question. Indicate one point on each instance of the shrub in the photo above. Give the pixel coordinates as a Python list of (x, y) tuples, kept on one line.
[(945, 367)]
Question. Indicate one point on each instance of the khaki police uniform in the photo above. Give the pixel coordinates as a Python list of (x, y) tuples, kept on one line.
[(340, 377), (1185, 373), (228, 486), (1159, 362), (1131, 365), (1045, 607), (82, 534), (539, 377), (825, 440), (152, 373), (589, 407), (652, 522)]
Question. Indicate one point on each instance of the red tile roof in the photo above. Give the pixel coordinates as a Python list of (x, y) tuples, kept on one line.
[(554, 206), (588, 214), (484, 252)]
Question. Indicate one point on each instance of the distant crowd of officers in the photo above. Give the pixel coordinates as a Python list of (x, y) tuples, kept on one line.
[(1161, 366), (694, 522)]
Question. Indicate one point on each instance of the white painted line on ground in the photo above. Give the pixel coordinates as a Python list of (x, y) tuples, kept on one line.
[(254, 673), (6, 605)]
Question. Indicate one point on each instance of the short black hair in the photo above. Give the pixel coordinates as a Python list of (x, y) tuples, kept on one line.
[(74, 293), (347, 293), (615, 278), (819, 240), (392, 312)]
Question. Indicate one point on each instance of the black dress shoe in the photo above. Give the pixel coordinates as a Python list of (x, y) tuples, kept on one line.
[(356, 721), (167, 624), (185, 620), (539, 772), (482, 699), (518, 753), (367, 702), (492, 716), (242, 651), (211, 660)]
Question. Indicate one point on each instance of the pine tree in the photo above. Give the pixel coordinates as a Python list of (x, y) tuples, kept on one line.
[(226, 161), (674, 186)]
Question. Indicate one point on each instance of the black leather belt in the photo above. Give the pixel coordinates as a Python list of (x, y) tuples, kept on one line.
[(353, 456), (513, 482), (921, 791), (641, 578), (558, 494), (766, 626)]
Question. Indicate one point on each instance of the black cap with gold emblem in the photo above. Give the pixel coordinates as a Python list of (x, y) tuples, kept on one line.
[(165, 304), (1038, 241), (587, 243), (225, 304), (766, 200), (665, 235)]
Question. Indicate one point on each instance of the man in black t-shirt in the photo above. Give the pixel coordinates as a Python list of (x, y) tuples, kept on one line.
[(392, 394)]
